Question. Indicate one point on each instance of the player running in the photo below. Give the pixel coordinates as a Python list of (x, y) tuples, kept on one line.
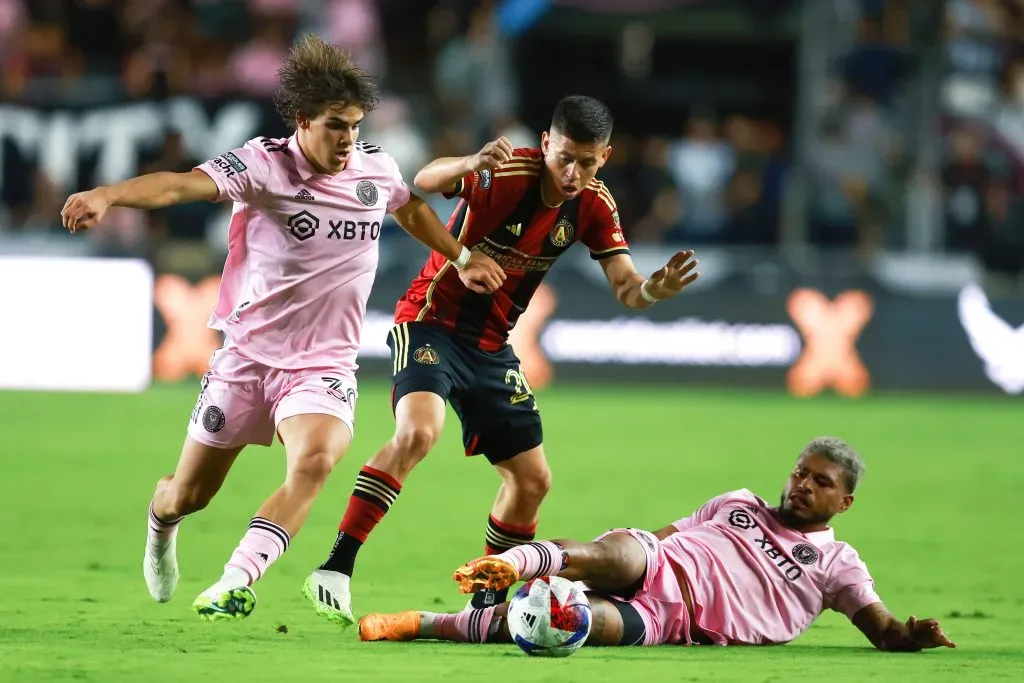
[(302, 254), (735, 572), (524, 208)]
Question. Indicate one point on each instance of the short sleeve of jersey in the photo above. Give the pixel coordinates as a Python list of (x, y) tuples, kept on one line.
[(400, 193), (849, 587), (603, 235), (470, 186), (710, 508), (240, 174)]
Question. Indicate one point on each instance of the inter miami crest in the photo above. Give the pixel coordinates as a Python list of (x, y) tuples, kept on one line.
[(562, 234), (366, 192), (426, 356), (805, 553), (213, 419)]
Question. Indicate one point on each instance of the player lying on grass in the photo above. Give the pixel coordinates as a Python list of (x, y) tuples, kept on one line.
[(735, 572), (302, 255)]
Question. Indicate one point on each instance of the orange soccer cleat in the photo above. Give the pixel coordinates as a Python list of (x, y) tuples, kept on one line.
[(398, 627), (485, 573)]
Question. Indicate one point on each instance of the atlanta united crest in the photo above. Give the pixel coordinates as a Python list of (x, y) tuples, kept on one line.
[(561, 235), (426, 356), (366, 192)]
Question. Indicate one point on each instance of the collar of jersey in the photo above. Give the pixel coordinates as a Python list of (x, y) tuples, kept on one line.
[(306, 170), (820, 538)]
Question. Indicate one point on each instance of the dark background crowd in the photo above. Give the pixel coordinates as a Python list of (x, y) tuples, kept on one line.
[(861, 124)]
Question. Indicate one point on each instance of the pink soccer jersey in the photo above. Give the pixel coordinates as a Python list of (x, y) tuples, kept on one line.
[(302, 251), (753, 580)]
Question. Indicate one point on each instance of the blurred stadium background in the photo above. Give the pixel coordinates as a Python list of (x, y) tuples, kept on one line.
[(850, 171), (865, 146)]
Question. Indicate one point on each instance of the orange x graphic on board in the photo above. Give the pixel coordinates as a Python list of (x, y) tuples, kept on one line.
[(525, 337), (830, 330), (189, 343)]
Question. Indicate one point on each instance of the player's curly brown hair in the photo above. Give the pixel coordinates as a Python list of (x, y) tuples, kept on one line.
[(316, 75)]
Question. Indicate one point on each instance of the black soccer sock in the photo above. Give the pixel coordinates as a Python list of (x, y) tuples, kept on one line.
[(501, 537), (374, 493), (343, 555)]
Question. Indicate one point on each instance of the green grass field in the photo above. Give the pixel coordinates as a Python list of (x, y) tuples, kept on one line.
[(935, 520)]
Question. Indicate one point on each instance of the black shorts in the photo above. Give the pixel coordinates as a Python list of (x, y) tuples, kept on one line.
[(488, 391)]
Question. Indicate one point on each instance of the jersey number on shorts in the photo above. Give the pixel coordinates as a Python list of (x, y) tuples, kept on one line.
[(521, 390)]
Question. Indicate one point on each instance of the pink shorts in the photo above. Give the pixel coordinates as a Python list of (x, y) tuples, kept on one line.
[(242, 402), (659, 601)]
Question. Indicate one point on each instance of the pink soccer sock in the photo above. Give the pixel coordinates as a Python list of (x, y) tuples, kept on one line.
[(540, 558), (472, 626), (263, 543)]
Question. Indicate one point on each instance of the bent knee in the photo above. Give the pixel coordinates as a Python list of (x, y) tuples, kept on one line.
[(312, 468), (530, 485), (413, 442), (623, 558), (533, 485)]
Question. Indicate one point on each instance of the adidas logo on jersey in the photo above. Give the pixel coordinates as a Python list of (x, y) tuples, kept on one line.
[(515, 228), (304, 195)]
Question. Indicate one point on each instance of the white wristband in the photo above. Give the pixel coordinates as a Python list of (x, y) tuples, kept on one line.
[(463, 260), (647, 295)]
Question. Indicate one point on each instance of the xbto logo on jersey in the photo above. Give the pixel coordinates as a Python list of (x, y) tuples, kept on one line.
[(304, 225), (352, 230), (741, 519)]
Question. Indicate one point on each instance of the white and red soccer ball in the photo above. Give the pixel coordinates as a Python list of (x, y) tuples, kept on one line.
[(549, 617)]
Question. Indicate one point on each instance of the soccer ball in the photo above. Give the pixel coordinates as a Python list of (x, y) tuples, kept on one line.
[(549, 617)]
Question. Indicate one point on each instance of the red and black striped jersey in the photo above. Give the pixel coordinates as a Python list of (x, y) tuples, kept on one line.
[(502, 215)]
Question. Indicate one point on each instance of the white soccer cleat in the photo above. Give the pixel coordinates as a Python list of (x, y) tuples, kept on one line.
[(229, 598), (330, 595), (160, 567)]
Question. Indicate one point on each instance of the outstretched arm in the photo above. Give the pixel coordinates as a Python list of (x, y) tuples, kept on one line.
[(886, 632), (152, 191), (633, 290)]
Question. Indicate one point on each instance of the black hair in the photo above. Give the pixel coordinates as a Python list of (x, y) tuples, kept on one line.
[(582, 119)]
